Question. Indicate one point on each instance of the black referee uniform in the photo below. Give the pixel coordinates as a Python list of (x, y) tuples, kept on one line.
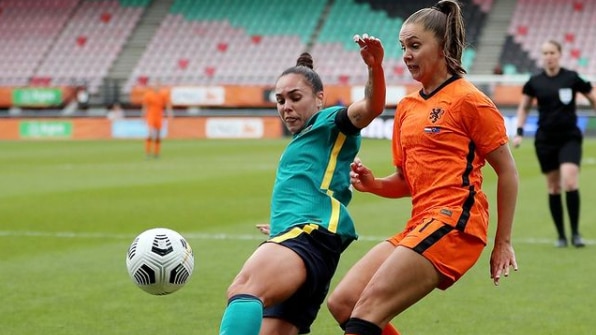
[(558, 138)]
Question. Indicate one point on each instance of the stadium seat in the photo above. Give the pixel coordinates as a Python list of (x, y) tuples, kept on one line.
[(99, 29)]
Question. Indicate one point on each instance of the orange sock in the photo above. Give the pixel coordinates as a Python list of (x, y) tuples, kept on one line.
[(147, 146), (157, 148), (389, 330)]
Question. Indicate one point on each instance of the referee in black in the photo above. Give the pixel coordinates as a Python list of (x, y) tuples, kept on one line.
[(558, 139)]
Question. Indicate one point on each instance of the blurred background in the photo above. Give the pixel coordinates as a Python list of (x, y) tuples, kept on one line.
[(75, 59)]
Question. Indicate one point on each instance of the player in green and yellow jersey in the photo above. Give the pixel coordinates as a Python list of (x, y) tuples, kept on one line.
[(281, 287)]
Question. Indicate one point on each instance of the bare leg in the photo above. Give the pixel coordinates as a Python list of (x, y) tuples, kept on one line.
[(342, 300), (403, 279), (273, 326)]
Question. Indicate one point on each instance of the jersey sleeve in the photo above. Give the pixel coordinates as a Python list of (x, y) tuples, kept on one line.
[(528, 89), (484, 123), (344, 124), (581, 85)]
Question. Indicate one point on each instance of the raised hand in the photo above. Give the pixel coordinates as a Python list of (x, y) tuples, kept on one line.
[(371, 49)]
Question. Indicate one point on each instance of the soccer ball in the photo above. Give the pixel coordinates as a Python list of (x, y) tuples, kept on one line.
[(160, 261)]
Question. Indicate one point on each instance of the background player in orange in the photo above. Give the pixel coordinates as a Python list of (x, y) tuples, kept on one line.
[(155, 102), (443, 136)]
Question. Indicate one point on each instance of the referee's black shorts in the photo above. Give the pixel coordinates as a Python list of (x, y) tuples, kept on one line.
[(556, 148)]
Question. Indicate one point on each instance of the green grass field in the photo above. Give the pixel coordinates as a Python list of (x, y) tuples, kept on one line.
[(70, 209)]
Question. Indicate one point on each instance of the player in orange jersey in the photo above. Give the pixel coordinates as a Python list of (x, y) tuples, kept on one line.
[(443, 136), (155, 102)]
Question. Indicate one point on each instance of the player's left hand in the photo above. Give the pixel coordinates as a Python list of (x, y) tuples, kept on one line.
[(371, 49), (264, 228), (502, 258)]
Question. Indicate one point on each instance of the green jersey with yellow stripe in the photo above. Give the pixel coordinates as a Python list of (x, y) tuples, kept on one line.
[(312, 184)]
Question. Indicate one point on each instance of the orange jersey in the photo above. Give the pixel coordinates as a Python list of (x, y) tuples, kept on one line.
[(155, 104), (440, 142)]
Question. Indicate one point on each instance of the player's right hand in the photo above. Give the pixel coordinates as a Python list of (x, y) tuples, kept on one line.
[(371, 49), (361, 177)]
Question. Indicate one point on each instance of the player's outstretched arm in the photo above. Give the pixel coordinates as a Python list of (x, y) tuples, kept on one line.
[(362, 112)]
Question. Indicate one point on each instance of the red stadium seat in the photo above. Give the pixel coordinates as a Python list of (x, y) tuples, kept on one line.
[(578, 6), (344, 79), (183, 63), (142, 80), (256, 39), (106, 17), (210, 71), (522, 30), (569, 37), (81, 40), (222, 47), (40, 81)]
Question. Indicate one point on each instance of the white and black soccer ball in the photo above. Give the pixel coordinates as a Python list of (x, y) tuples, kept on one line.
[(160, 261)]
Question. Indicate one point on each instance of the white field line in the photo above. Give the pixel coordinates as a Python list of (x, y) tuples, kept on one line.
[(202, 236)]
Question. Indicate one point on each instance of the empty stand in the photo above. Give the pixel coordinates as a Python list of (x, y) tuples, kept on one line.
[(201, 42), (570, 22), (27, 31), (63, 42), (90, 42), (339, 55), (208, 52)]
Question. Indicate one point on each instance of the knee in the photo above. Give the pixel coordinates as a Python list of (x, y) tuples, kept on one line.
[(554, 187), (570, 184), (340, 306), (238, 286), (569, 177)]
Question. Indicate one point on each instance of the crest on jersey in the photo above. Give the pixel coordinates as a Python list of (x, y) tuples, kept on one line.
[(565, 95), (436, 114)]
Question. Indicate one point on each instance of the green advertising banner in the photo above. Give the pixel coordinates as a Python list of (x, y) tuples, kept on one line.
[(45, 129), (37, 97)]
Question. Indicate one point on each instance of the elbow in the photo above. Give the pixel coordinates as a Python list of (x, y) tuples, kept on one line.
[(377, 105), (378, 110)]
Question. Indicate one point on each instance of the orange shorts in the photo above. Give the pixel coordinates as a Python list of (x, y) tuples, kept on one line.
[(452, 252), (154, 123)]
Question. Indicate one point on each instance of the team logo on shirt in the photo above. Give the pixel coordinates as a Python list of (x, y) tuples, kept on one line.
[(565, 95), (436, 114)]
